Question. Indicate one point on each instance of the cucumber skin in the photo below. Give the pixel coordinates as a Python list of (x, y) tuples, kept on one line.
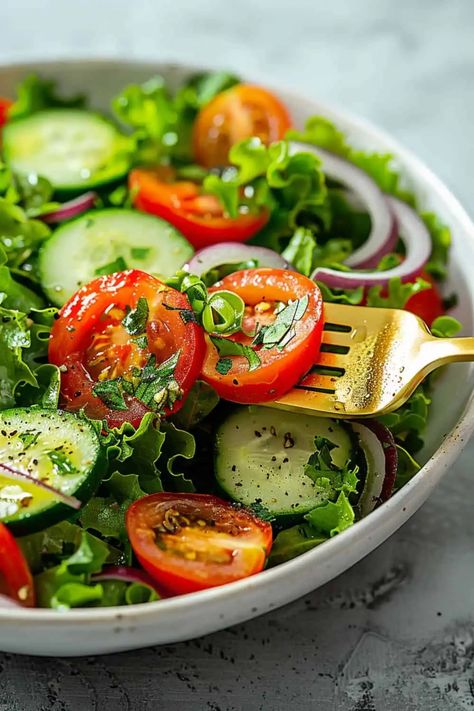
[(58, 511), (67, 192)]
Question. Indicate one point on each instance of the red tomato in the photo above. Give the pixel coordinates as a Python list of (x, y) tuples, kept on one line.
[(90, 340), (263, 291), (200, 217), (427, 304), (16, 580), (4, 106), (190, 542), (241, 112)]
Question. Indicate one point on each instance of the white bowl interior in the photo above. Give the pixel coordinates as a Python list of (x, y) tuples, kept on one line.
[(96, 631)]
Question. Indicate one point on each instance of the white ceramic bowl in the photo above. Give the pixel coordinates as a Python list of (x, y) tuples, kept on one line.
[(96, 631)]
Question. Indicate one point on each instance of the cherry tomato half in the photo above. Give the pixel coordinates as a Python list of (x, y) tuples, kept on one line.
[(200, 217), (190, 542), (16, 580), (427, 304), (4, 106), (264, 292), (241, 112), (92, 342)]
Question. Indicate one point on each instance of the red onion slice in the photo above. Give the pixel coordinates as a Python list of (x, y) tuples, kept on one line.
[(383, 233), (417, 241), (379, 448), (70, 209), (233, 252), (19, 475), (126, 574)]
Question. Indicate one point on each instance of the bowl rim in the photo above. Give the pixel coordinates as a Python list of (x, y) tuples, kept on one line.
[(434, 468)]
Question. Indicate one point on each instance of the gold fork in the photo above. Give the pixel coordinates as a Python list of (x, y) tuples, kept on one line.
[(371, 361)]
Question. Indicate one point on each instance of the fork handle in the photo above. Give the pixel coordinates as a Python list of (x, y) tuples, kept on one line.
[(440, 351)]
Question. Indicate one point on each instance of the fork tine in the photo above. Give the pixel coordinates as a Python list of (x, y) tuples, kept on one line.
[(334, 338)]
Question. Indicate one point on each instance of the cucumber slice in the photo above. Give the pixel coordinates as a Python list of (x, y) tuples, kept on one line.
[(75, 150), (261, 453), (105, 241), (56, 447)]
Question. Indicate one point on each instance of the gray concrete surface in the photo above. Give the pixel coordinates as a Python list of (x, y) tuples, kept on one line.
[(397, 630)]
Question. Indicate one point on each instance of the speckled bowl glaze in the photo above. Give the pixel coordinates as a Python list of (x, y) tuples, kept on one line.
[(98, 631)]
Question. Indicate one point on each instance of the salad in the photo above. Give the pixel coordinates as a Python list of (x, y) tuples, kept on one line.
[(163, 273)]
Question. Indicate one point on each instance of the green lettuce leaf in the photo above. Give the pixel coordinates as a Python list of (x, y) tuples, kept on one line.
[(106, 514), (66, 585), (162, 123), (321, 132), (291, 188), (445, 327), (333, 517), (200, 402), (398, 293), (178, 445), (35, 94), (294, 541), (20, 236)]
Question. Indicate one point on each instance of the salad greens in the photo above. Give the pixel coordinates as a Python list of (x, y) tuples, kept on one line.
[(310, 221)]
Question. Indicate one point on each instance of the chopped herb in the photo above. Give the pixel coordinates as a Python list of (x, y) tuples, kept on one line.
[(136, 319), (62, 463), (279, 333), (261, 511), (141, 341), (140, 252), (157, 387), (227, 347), (188, 316), (110, 393), (118, 265), (223, 365), (29, 438)]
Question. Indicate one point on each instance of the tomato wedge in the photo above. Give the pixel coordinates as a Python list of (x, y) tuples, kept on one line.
[(4, 106), (241, 112), (16, 580), (200, 217), (288, 350), (110, 339), (428, 304), (189, 542)]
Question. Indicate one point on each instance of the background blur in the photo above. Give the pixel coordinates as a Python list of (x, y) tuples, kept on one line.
[(407, 65), (396, 631)]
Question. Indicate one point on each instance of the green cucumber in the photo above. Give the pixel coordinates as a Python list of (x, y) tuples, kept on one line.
[(56, 447), (75, 150), (105, 241), (260, 454)]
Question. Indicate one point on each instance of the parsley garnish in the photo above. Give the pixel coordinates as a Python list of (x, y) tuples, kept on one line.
[(157, 387), (261, 511), (279, 333), (62, 462), (223, 365), (140, 252), (141, 341), (110, 393), (136, 319), (227, 347), (118, 265)]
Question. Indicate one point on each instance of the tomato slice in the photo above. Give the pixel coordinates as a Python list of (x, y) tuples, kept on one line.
[(428, 304), (241, 112), (16, 580), (190, 542), (4, 106), (94, 345), (200, 217), (264, 292)]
